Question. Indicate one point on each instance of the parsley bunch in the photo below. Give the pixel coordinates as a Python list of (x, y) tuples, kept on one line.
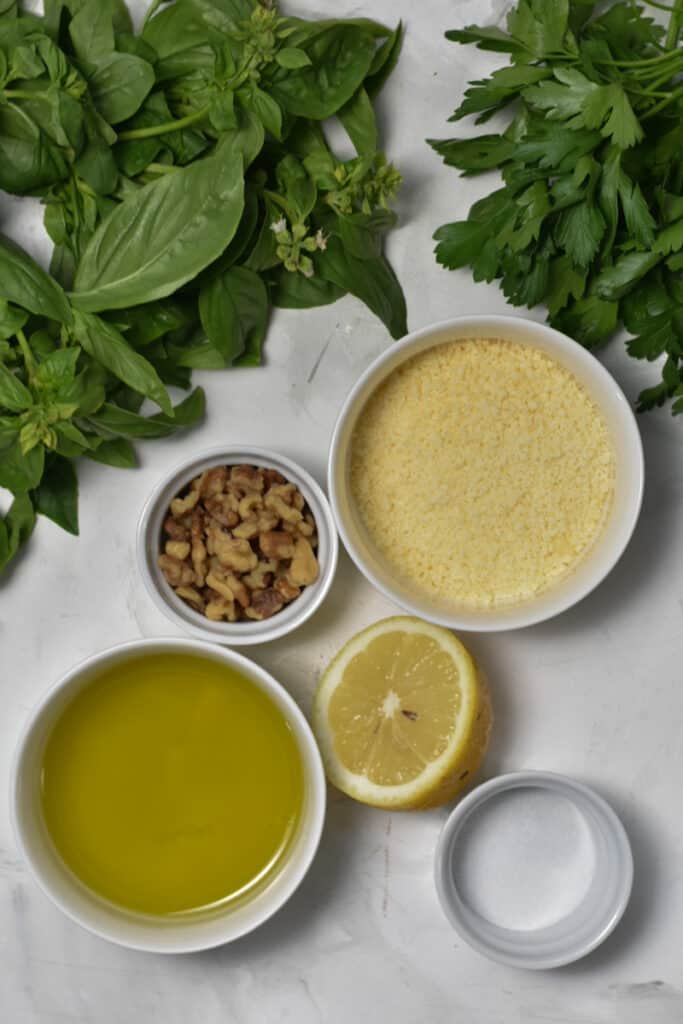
[(590, 216)]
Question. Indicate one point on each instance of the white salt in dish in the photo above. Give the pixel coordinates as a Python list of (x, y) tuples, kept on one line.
[(533, 869)]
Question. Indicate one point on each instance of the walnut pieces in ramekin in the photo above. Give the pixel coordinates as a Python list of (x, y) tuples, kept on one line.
[(239, 542)]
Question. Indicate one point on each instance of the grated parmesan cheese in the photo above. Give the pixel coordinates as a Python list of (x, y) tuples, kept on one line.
[(483, 472)]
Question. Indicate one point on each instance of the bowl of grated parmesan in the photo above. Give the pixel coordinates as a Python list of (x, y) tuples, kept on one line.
[(486, 473)]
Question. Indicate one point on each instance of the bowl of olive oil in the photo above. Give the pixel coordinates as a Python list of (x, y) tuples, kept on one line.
[(168, 795)]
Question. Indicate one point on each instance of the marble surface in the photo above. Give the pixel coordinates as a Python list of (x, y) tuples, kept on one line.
[(595, 693)]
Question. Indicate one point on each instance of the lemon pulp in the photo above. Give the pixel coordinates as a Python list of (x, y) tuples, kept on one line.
[(171, 783)]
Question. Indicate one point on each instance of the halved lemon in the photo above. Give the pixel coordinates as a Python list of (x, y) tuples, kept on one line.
[(402, 715)]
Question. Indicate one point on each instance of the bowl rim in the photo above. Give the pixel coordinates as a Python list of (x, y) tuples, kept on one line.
[(317, 787), (576, 792), (243, 633), (528, 613)]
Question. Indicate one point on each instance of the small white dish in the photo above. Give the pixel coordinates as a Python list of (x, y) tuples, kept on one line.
[(149, 546), (533, 869), (629, 475), (163, 934)]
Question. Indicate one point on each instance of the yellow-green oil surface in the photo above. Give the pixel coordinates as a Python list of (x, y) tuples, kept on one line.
[(171, 783)]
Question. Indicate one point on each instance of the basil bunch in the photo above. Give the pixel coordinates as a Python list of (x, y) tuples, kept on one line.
[(188, 187)]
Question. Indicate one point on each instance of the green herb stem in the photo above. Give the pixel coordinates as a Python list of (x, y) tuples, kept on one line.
[(29, 361), (674, 26), (155, 168), (657, 109), (23, 94), (163, 129), (645, 62)]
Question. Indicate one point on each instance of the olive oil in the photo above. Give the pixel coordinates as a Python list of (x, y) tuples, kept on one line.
[(171, 783)]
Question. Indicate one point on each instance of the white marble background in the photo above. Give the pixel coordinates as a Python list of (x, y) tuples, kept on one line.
[(596, 693)]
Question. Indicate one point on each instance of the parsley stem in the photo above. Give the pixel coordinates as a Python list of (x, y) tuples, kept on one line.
[(645, 62), (163, 129), (674, 27), (658, 107)]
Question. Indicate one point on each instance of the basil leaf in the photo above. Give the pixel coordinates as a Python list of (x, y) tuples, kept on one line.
[(292, 57), (362, 233), (119, 85), (384, 61), (11, 320), (16, 528), (13, 394), (116, 452), (294, 291), (113, 420), (162, 235), (175, 29), (29, 162), (108, 346), (296, 185), (234, 311), (57, 371), (340, 57), (223, 14), (97, 167), (373, 281), (21, 472), (265, 107), (26, 284), (92, 32), (358, 119), (57, 493)]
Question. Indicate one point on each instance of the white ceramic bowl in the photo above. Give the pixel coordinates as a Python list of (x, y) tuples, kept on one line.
[(177, 610), (628, 483), (139, 931), (533, 869)]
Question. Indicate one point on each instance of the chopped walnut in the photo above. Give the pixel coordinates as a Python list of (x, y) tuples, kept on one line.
[(179, 506), (220, 586), (277, 504), (191, 595), (249, 503), (233, 553), (238, 543), (264, 603), (276, 544), (214, 481), (176, 572), (179, 549), (261, 576), (247, 478), (219, 609), (304, 567), (175, 529), (286, 589), (223, 508)]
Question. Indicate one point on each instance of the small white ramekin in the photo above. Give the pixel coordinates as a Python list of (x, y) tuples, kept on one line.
[(628, 482), (149, 546), (173, 934), (576, 868)]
